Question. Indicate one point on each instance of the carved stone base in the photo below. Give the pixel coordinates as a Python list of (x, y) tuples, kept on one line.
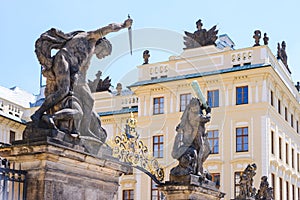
[(190, 186), (189, 179), (56, 171), (184, 192), (34, 135)]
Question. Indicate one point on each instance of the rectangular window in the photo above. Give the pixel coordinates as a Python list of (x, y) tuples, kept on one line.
[(293, 192), (155, 194), (292, 120), (12, 136), (280, 148), (242, 139), (242, 95), (273, 185), (285, 114), (293, 163), (213, 139), (287, 190), (213, 98), (184, 101), (216, 178), (298, 164), (272, 98), (128, 195), (279, 106), (158, 105), (286, 153), (158, 146), (280, 188), (272, 143), (237, 176), (297, 128)]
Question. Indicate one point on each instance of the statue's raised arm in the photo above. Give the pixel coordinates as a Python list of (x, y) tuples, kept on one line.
[(101, 32), (68, 101)]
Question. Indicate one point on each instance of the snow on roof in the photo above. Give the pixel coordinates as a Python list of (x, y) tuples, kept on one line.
[(17, 96), (124, 92), (12, 117)]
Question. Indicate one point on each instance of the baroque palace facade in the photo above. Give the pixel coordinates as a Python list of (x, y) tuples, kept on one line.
[(14, 107), (255, 116)]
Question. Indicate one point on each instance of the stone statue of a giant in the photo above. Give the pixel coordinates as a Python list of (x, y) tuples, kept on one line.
[(191, 146), (68, 105)]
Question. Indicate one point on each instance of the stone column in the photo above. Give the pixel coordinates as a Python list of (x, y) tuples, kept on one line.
[(63, 173)]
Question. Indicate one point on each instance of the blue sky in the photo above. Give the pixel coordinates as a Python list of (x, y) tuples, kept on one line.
[(22, 22)]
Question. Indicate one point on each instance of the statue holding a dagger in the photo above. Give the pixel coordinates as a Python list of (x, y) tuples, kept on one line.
[(68, 104)]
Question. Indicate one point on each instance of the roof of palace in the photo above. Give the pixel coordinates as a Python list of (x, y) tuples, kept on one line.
[(17, 96), (201, 74), (116, 112)]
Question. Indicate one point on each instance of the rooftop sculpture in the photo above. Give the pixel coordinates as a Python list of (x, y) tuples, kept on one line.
[(68, 105), (281, 54), (266, 39), (257, 36), (119, 89), (146, 57), (99, 85), (201, 37)]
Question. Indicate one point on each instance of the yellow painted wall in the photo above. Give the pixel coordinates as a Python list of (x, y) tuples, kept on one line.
[(258, 115)]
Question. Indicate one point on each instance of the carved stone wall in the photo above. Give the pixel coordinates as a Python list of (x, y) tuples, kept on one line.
[(58, 172)]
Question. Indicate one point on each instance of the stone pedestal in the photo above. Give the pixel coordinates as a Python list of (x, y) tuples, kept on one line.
[(185, 192), (190, 187), (58, 172)]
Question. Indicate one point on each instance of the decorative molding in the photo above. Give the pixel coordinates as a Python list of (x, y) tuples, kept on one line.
[(241, 57), (213, 81), (130, 101), (158, 70), (184, 85), (107, 120), (161, 89), (240, 77), (128, 181)]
